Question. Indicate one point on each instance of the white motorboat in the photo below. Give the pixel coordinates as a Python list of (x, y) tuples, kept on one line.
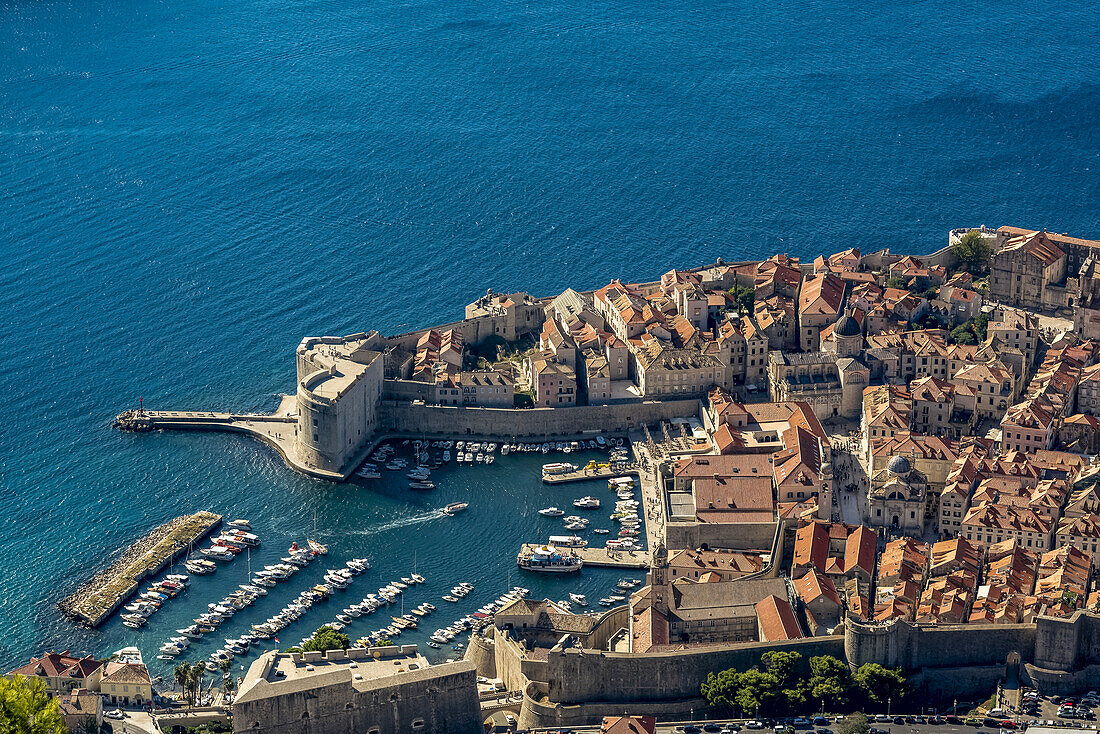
[(551, 512), (579, 599), (587, 503), (241, 524)]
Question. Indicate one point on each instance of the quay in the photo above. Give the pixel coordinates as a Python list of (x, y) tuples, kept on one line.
[(96, 599), (584, 475), (601, 557)]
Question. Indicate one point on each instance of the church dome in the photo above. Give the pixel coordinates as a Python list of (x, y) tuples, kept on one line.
[(898, 465), (847, 326)]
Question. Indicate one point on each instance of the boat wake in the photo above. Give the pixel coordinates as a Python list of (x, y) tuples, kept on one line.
[(398, 523)]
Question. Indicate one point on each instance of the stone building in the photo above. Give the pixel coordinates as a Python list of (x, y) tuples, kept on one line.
[(1026, 271), (554, 383), (510, 315), (339, 388), (831, 386), (663, 371), (819, 303), (383, 690), (898, 497)]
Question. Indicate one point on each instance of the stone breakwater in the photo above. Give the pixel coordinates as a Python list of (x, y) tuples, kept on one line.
[(99, 596)]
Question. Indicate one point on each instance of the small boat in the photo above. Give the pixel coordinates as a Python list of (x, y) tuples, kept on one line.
[(317, 548), (601, 531), (422, 485), (241, 524), (453, 509), (417, 578), (559, 467), (579, 599), (587, 503), (450, 598), (575, 526), (551, 512)]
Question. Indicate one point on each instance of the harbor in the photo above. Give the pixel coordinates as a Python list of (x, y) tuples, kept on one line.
[(96, 599)]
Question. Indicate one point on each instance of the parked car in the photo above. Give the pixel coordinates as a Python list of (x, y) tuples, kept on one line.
[(754, 724), (116, 714), (710, 726)]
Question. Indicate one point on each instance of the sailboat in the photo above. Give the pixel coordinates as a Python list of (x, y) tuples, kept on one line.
[(318, 548)]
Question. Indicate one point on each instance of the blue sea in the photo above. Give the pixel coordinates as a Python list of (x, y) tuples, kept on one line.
[(189, 188)]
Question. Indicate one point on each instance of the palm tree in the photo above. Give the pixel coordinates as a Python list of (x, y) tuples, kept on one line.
[(183, 677), (198, 670), (227, 680)]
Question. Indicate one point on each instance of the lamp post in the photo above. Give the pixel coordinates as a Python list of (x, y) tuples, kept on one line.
[(889, 702)]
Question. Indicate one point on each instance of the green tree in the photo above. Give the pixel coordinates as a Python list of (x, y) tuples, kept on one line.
[(895, 281), (981, 323), (973, 251), (745, 298), (720, 689), (182, 674), (26, 708), (961, 334), (326, 638), (879, 684), (830, 680), (757, 691), (781, 665), (856, 723), (384, 642), (87, 725), (194, 681)]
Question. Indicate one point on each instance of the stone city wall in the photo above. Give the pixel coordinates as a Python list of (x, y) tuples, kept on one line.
[(538, 712), (912, 647), (531, 422), (577, 676), (1067, 644), (482, 653)]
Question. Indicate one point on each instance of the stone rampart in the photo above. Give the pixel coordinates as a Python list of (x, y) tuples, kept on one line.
[(530, 422), (1066, 644), (588, 676), (482, 653), (912, 647), (538, 712)]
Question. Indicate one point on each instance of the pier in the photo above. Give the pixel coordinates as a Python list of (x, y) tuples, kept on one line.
[(601, 557), (96, 599), (584, 475)]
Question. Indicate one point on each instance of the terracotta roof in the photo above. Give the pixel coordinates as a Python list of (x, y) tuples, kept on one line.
[(59, 665), (814, 585), (628, 725), (777, 620)]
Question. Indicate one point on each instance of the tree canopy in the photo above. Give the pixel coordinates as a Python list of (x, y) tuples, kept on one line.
[(26, 708), (880, 684), (973, 251), (326, 638), (745, 297), (779, 685)]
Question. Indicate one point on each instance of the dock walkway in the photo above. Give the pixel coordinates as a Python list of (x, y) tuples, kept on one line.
[(101, 595), (584, 475), (601, 557)]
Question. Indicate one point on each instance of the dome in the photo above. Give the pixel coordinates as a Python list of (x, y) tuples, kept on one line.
[(898, 465), (847, 326)]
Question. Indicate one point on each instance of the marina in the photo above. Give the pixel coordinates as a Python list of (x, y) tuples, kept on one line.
[(449, 535), (95, 600)]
